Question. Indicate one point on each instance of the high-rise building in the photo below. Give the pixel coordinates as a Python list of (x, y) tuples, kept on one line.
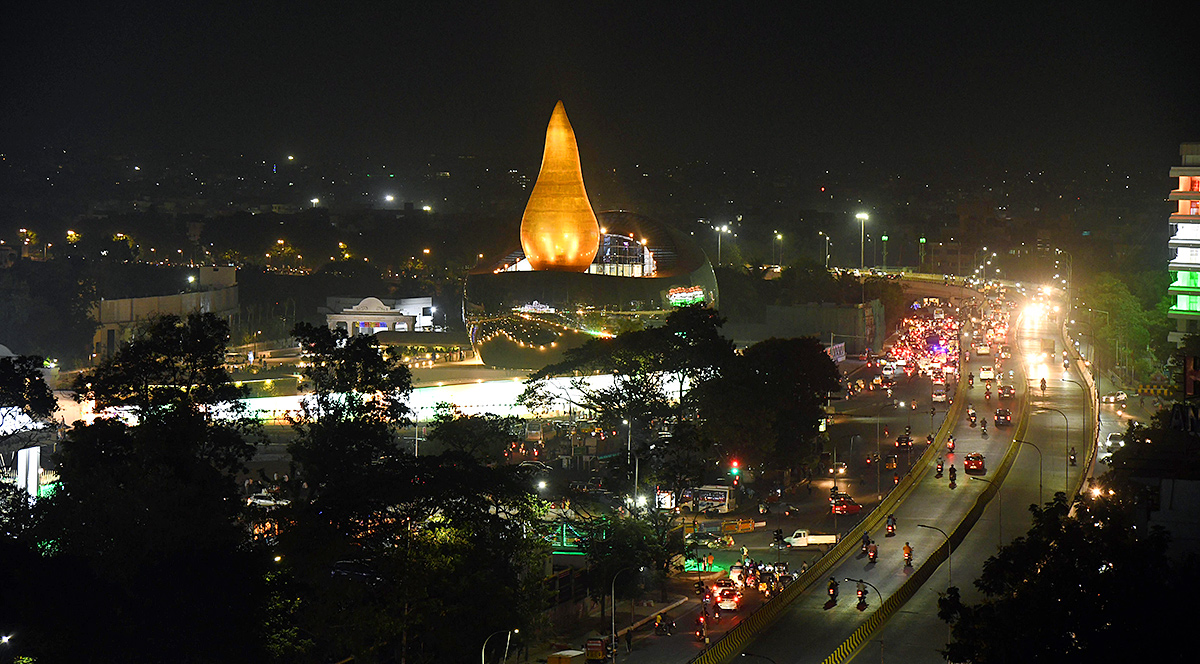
[(1185, 240)]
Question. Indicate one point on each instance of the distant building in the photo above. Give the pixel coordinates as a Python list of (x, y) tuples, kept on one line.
[(373, 315), (1185, 240), (214, 290)]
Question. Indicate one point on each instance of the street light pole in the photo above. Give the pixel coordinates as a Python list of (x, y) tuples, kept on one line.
[(949, 553), (614, 611), (720, 231), (822, 234), (999, 497), (1066, 450), (878, 472), (483, 650), (862, 238), (629, 459), (1039, 451), (779, 240), (868, 583)]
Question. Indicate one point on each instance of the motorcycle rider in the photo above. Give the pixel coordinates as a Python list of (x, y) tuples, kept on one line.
[(907, 553), (1072, 456), (939, 467), (833, 586), (1043, 386), (866, 541), (872, 550), (953, 472), (971, 379), (891, 520), (862, 591)]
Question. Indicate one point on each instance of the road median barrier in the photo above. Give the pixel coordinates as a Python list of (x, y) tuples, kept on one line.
[(726, 649), (862, 634)]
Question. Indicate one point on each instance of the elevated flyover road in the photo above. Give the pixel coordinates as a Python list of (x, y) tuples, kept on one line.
[(813, 627), (915, 633)]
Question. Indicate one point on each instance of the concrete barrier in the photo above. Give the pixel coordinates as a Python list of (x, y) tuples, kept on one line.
[(732, 642)]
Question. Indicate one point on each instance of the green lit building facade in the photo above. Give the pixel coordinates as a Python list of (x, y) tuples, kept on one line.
[(1185, 240)]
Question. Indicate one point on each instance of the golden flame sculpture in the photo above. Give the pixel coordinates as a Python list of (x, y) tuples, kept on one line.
[(559, 230)]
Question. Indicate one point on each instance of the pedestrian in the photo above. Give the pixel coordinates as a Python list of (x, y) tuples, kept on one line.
[(629, 640), (745, 554), (711, 558)]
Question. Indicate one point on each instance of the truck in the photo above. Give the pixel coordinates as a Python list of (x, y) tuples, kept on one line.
[(802, 538)]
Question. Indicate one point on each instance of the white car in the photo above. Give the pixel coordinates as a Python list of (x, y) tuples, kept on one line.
[(729, 599), (1114, 397), (1114, 439), (987, 373)]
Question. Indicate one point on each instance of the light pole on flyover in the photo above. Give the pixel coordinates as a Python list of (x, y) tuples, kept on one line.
[(1066, 449)]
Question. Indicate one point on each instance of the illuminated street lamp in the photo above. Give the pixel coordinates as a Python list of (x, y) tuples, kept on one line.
[(314, 201), (862, 237), (822, 234), (720, 231)]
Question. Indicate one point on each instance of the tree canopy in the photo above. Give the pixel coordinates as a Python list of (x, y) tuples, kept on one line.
[(1080, 586)]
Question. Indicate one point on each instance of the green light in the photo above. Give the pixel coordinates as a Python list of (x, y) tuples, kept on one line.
[(884, 238), (922, 240)]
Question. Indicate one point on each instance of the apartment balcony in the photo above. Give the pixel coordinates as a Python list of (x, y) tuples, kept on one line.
[(1178, 195), (1182, 313), (1184, 243)]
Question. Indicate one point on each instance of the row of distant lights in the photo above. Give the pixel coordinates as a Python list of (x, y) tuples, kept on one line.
[(389, 198)]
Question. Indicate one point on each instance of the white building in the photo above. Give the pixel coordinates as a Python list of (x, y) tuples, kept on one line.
[(373, 315)]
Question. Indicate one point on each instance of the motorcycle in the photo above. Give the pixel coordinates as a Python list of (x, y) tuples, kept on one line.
[(871, 555), (701, 629), (1072, 460), (862, 595), (891, 529), (938, 474), (970, 381), (908, 559), (664, 628), (833, 590), (950, 443), (987, 394)]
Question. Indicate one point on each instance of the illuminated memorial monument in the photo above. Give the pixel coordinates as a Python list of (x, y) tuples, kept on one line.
[(576, 274)]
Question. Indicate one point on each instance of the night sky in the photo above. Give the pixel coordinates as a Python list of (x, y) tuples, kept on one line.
[(960, 86)]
